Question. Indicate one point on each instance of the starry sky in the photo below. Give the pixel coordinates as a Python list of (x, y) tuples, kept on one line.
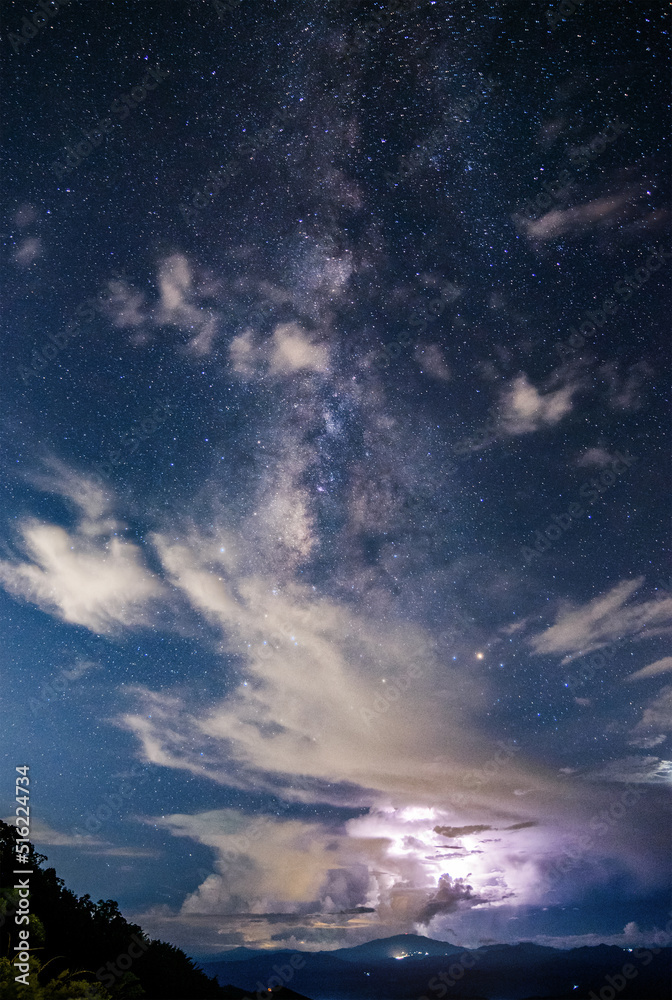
[(334, 589)]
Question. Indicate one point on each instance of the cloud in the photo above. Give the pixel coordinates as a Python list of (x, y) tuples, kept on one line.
[(310, 670), (596, 457), (450, 896), (44, 835), (658, 713), (637, 770), (124, 305), (290, 349), (99, 583), (626, 388), (80, 668), (84, 493), (524, 409), (630, 937), (652, 669), (177, 305), (602, 212), (459, 831), (327, 883), (28, 251), (430, 358), (605, 619)]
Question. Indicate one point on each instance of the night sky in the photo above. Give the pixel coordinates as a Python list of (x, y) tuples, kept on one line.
[(334, 592)]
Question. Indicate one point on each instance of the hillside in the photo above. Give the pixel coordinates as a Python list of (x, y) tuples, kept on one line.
[(78, 938)]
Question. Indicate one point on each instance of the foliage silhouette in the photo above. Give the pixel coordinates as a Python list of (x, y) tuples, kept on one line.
[(73, 941)]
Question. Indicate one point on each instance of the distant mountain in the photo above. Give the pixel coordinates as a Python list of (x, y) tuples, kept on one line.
[(280, 993), (397, 947), (407, 966), (241, 954)]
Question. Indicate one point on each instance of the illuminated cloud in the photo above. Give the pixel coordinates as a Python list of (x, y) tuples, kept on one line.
[(325, 884)]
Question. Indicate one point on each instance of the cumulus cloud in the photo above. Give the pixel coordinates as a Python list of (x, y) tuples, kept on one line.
[(524, 409), (290, 349), (450, 895), (99, 584), (605, 619), (327, 883)]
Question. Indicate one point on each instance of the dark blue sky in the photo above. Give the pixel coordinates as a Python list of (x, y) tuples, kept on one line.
[(335, 600)]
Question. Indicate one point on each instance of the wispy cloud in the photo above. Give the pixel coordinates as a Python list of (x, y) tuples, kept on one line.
[(661, 666), (600, 212), (607, 618)]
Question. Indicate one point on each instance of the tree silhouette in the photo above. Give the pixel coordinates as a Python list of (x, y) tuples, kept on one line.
[(77, 940)]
